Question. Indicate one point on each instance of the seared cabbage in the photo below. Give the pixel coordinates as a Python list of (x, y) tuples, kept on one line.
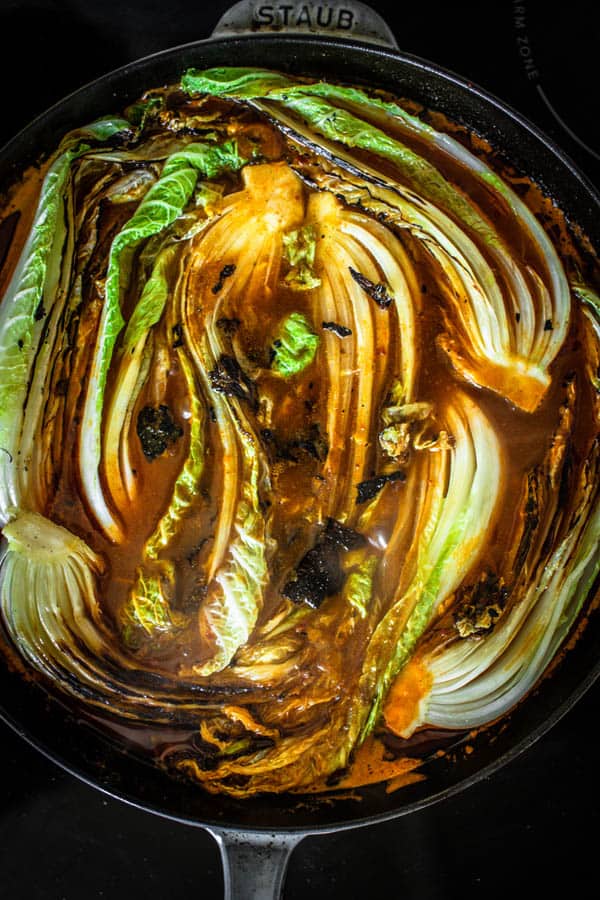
[(299, 430)]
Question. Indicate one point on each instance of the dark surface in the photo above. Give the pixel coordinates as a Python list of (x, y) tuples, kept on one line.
[(532, 825), (541, 63)]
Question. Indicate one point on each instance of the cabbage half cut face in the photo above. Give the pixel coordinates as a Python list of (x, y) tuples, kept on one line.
[(299, 449)]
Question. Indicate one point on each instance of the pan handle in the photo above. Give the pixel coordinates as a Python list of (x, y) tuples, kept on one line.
[(327, 18), (254, 863)]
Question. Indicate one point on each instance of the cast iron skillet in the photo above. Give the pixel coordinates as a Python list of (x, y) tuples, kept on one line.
[(256, 836)]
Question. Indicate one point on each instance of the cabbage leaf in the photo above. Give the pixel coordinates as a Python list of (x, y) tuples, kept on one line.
[(29, 298), (294, 346), (161, 205), (449, 539)]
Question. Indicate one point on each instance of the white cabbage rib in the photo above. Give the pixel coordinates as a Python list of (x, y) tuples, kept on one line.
[(33, 287), (238, 570), (554, 300), (131, 375), (356, 373), (36, 311), (457, 510), (159, 208), (478, 680), (511, 325)]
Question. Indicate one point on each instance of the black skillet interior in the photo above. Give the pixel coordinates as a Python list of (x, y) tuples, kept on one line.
[(86, 752)]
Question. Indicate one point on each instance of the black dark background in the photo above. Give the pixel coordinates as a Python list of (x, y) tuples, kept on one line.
[(533, 827)]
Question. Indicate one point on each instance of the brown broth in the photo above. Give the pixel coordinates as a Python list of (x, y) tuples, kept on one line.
[(297, 409)]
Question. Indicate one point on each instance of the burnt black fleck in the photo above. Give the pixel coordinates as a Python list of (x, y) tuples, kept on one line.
[(376, 292), (229, 378), (156, 430), (341, 330), (319, 574), (226, 272), (310, 441), (366, 490)]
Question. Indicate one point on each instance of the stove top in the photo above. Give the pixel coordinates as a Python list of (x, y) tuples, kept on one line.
[(534, 824)]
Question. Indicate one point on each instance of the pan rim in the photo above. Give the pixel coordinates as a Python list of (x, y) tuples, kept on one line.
[(418, 62), (330, 827)]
